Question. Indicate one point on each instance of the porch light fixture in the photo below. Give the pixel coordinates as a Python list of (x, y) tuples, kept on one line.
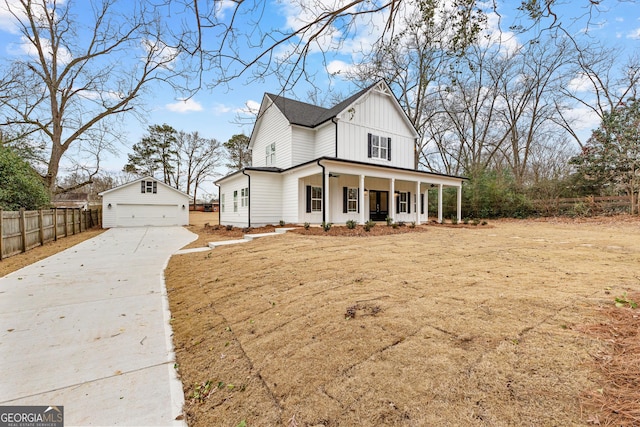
[(109, 206), (182, 207), (366, 191)]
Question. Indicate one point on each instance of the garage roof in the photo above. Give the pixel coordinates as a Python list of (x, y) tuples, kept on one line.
[(144, 178)]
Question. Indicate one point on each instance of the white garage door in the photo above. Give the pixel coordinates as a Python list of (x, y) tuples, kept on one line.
[(143, 215)]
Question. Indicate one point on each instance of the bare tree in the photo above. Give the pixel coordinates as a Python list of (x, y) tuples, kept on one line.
[(75, 76), (198, 157)]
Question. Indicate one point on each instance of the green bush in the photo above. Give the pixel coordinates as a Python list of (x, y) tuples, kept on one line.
[(351, 224), (20, 185), (306, 225), (369, 225), (326, 226)]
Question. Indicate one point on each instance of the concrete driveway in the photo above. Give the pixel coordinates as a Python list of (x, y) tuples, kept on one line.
[(88, 328)]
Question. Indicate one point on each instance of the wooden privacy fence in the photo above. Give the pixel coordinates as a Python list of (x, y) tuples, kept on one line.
[(23, 230)]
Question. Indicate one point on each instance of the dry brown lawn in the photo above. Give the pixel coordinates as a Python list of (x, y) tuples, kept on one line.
[(449, 326)]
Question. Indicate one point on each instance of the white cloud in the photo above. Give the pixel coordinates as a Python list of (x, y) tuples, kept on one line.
[(9, 8), (250, 107), (635, 34), (25, 47), (580, 83), (220, 109), (339, 68), (184, 106)]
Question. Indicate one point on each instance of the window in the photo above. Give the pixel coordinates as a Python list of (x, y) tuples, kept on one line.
[(403, 202), (379, 147), (350, 200), (235, 201), (244, 197), (148, 187), (222, 203), (316, 199), (270, 154)]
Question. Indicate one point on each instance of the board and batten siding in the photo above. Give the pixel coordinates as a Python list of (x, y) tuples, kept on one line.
[(130, 194), (274, 127), (265, 198), (240, 218), (376, 114)]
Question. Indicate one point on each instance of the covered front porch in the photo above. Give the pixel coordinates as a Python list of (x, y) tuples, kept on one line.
[(346, 191)]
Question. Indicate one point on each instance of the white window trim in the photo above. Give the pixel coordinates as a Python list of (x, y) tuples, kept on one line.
[(235, 200), (377, 147), (317, 206), (270, 154), (352, 200), (244, 197), (403, 204), (222, 203)]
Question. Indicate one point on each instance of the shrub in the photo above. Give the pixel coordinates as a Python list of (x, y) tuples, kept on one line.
[(306, 225), (395, 225), (401, 223), (229, 227), (282, 223), (465, 220), (369, 225), (454, 219), (412, 225), (389, 220), (351, 224), (326, 226)]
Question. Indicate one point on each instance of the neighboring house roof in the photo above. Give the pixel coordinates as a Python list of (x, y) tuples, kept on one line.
[(75, 200), (144, 178)]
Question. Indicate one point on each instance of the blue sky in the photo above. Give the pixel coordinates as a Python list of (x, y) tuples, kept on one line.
[(213, 112)]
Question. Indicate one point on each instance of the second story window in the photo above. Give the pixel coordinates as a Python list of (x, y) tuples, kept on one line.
[(270, 155), (379, 147), (148, 187)]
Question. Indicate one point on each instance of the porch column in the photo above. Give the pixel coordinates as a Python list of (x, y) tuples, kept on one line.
[(459, 210), (392, 199), (327, 210), (418, 203), (426, 205), (440, 203), (361, 200)]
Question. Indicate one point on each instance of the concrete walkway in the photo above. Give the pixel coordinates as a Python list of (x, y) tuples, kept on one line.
[(88, 328)]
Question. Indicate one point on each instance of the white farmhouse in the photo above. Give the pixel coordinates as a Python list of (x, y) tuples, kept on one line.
[(355, 161)]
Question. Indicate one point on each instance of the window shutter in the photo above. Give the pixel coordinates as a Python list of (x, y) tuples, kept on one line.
[(397, 197), (142, 184), (155, 187), (308, 199), (422, 203), (389, 149), (369, 145), (345, 200), (358, 199), (409, 202)]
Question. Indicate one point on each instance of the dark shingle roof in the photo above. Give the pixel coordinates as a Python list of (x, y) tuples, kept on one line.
[(304, 114)]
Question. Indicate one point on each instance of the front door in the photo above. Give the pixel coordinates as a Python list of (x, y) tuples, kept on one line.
[(378, 205)]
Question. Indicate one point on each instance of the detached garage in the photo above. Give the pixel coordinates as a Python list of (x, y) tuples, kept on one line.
[(144, 202)]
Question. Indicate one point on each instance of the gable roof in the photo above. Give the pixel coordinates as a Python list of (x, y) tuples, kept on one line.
[(309, 115), (144, 178)]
